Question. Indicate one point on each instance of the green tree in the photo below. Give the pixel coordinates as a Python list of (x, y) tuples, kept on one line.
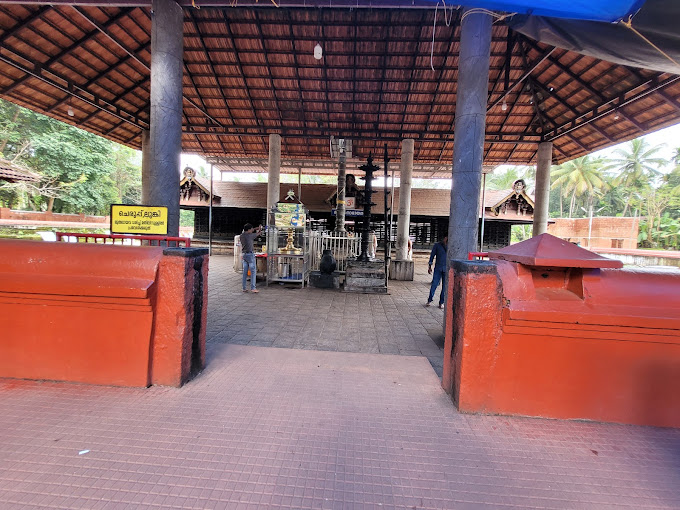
[(577, 178), (656, 201), (77, 167), (637, 165), (613, 200), (504, 180), (76, 162), (126, 175)]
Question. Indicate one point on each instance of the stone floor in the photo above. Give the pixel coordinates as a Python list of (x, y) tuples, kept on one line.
[(324, 319), (304, 428)]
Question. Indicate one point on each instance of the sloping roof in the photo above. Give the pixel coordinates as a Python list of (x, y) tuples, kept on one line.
[(249, 72), (546, 250), (424, 202), (14, 173)]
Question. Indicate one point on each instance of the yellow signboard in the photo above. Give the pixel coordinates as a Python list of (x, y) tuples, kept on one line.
[(139, 219)]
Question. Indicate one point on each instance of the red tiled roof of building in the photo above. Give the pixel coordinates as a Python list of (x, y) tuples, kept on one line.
[(13, 173), (424, 201)]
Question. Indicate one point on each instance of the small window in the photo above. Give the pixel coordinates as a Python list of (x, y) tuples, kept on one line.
[(617, 243)]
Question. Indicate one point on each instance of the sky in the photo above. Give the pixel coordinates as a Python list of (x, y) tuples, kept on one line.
[(669, 138)]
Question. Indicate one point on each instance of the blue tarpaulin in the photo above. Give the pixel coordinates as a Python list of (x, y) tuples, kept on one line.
[(592, 10)]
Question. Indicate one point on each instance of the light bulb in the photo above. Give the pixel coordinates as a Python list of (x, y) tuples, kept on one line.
[(617, 116), (318, 52), (504, 106), (70, 112)]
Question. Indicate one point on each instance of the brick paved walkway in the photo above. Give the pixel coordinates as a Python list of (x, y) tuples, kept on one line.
[(326, 320), (302, 428)]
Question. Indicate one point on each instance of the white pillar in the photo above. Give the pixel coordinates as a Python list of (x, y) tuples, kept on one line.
[(541, 205), (404, 219), (274, 175)]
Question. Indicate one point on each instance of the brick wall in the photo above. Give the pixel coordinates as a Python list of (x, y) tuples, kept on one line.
[(9, 214), (606, 231)]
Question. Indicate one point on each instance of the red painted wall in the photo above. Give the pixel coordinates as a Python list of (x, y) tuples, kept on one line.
[(599, 344), (9, 214), (102, 314)]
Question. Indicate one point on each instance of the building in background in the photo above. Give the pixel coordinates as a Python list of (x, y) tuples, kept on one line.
[(237, 203)]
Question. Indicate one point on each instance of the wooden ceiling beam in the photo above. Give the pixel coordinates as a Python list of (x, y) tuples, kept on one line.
[(297, 73), (271, 79), (104, 74), (297, 132), (73, 46), (213, 76), (76, 91), (200, 98), (325, 70), (451, 41), (386, 41), (407, 102), (652, 85), (226, 23), (23, 23), (354, 71), (530, 69), (662, 93), (589, 88), (115, 100), (103, 29)]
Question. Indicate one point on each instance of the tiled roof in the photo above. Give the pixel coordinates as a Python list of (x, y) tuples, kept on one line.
[(12, 173), (424, 202), (385, 75)]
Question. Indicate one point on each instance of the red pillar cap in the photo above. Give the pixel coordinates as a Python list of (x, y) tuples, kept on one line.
[(549, 251)]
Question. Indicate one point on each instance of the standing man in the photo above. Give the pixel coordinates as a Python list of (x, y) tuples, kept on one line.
[(438, 252), (248, 255)]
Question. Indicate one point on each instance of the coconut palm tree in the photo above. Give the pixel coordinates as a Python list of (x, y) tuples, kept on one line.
[(578, 177), (505, 180), (637, 164)]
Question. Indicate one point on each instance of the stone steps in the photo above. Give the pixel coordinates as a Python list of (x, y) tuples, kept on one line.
[(365, 277)]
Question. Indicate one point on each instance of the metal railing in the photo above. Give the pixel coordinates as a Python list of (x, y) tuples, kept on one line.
[(342, 247), (122, 239), (478, 255)]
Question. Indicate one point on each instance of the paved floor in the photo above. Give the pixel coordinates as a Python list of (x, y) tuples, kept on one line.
[(326, 320), (301, 428)]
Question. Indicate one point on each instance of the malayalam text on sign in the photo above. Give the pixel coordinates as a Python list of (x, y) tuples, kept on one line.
[(139, 219)]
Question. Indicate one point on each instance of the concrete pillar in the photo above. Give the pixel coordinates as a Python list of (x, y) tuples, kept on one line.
[(342, 184), (542, 188), (468, 143), (166, 108), (146, 162), (404, 219), (274, 174)]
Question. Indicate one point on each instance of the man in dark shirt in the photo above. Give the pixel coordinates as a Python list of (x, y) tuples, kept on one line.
[(248, 255), (438, 253)]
